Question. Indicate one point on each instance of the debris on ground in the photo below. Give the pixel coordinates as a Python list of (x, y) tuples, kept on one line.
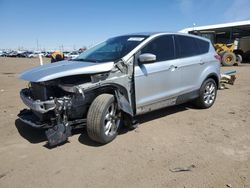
[(228, 77), (2, 175), (183, 169)]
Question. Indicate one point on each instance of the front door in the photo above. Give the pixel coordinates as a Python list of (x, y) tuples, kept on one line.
[(156, 84)]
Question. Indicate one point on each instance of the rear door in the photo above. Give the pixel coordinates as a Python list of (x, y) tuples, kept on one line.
[(190, 62)]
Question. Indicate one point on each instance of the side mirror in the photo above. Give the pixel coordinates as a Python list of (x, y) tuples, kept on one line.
[(147, 58)]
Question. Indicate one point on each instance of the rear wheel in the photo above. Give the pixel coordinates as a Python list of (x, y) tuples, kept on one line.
[(207, 94), (103, 119)]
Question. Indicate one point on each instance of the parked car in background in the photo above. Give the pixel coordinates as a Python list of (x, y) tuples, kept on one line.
[(73, 55), (12, 54), (4, 54), (23, 53), (35, 54), (48, 55), (66, 54)]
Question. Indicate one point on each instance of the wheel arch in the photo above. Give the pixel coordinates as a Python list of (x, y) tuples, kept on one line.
[(120, 93), (211, 71), (214, 77)]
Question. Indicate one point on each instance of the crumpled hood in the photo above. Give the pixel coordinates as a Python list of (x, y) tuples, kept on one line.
[(62, 69)]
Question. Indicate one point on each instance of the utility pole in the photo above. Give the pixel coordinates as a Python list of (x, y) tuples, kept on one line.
[(37, 44), (194, 24)]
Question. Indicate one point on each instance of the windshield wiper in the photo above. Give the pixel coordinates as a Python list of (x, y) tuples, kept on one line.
[(88, 60)]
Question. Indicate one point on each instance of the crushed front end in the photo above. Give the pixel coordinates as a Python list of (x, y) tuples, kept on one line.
[(53, 108), (59, 95)]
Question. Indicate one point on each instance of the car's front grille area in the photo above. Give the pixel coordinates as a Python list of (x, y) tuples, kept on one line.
[(39, 92)]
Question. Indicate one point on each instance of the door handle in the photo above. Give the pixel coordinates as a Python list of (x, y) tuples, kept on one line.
[(202, 62), (172, 67)]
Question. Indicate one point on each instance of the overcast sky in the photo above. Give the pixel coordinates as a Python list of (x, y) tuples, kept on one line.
[(77, 23)]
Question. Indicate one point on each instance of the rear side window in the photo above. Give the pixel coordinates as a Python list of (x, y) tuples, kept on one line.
[(203, 45), (162, 47), (186, 46)]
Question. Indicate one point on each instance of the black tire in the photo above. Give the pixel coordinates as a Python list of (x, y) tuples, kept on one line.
[(228, 59), (203, 102), (100, 118), (240, 52), (238, 59)]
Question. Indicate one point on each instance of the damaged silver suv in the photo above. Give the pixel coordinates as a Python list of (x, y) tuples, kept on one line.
[(110, 84)]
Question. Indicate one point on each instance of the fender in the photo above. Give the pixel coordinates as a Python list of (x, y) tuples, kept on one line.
[(120, 93), (210, 72)]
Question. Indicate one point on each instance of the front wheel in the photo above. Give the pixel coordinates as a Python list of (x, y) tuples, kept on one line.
[(207, 94), (103, 119)]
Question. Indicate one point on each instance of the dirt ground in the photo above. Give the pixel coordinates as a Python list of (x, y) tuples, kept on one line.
[(215, 141)]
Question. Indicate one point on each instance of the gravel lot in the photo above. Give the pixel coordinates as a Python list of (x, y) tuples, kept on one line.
[(215, 141)]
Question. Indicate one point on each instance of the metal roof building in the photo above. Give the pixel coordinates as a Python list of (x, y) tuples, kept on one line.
[(239, 29)]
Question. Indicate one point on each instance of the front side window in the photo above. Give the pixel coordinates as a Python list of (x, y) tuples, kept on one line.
[(162, 47), (112, 49)]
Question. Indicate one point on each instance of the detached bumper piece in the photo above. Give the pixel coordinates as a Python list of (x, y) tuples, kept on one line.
[(58, 134), (28, 117)]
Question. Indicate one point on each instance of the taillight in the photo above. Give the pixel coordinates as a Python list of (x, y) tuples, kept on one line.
[(217, 57)]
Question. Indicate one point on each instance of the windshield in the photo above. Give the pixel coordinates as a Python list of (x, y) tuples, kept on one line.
[(111, 50)]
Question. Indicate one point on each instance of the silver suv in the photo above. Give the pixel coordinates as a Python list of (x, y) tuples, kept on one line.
[(110, 84)]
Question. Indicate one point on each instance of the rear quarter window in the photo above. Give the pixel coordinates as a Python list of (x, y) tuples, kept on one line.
[(203, 45), (186, 46)]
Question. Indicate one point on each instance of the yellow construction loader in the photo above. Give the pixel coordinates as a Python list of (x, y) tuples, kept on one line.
[(227, 53)]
